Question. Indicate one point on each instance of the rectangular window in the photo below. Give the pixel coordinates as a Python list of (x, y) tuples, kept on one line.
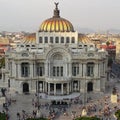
[(51, 39), (57, 40), (61, 71), (41, 72), (46, 39), (73, 40), (54, 69), (89, 70), (67, 40), (57, 71), (40, 40), (25, 70), (62, 39)]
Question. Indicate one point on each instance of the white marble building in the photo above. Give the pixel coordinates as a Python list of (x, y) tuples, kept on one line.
[(56, 62)]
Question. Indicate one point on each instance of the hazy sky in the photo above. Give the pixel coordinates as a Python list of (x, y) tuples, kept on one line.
[(27, 15)]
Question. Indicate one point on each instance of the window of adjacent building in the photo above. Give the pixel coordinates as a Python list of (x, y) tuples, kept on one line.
[(27, 45), (91, 45), (73, 40), (67, 40), (33, 45), (25, 69), (90, 69), (62, 39), (22, 45), (51, 39), (46, 39), (56, 39), (40, 40)]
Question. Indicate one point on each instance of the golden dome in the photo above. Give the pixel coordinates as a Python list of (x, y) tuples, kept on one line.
[(56, 23)]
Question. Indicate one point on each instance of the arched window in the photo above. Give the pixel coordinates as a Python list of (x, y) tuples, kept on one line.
[(57, 57), (25, 69), (25, 87)]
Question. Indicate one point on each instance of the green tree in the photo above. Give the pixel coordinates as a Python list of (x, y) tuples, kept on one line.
[(37, 119), (107, 43), (87, 118), (2, 116), (117, 114), (2, 62)]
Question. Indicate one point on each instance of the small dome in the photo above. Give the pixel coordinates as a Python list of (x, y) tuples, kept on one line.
[(29, 39), (83, 38), (56, 23)]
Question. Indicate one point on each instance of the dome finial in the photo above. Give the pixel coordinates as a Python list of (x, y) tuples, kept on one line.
[(56, 11), (56, 4)]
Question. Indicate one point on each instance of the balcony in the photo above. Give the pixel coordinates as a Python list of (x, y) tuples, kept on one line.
[(57, 79)]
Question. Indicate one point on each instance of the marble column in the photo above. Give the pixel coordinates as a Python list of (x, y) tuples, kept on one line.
[(68, 88), (19, 70), (78, 85), (31, 70), (72, 86), (84, 69), (43, 86), (48, 88), (62, 88), (46, 69), (16, 70), (80, 69), (54, 88), (70, 69)]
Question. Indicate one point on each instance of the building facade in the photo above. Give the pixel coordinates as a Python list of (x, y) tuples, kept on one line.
[(56, 62)]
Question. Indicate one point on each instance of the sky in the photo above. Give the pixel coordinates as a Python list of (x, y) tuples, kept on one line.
[(27, 15)]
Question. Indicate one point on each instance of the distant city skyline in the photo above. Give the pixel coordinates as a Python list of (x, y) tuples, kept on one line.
[(27, 15)]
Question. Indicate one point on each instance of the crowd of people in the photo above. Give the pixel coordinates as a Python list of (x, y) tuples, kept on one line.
[(71, 108)]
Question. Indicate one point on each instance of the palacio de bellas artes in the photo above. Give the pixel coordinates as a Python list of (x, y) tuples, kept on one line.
[(56, 61)]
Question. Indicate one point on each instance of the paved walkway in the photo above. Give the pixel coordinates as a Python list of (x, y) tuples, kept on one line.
[(24, 102)]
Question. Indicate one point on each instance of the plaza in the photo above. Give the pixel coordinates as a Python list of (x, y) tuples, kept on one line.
[(96, 104)]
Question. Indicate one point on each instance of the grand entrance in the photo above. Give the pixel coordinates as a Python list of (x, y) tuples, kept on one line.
[(90, 87), (25, 87)]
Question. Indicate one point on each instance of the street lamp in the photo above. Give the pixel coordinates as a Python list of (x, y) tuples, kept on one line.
[(84, 100), (84, 112), (38, 110)]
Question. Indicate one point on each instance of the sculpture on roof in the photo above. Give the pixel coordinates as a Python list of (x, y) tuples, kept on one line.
[(56, 4)]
